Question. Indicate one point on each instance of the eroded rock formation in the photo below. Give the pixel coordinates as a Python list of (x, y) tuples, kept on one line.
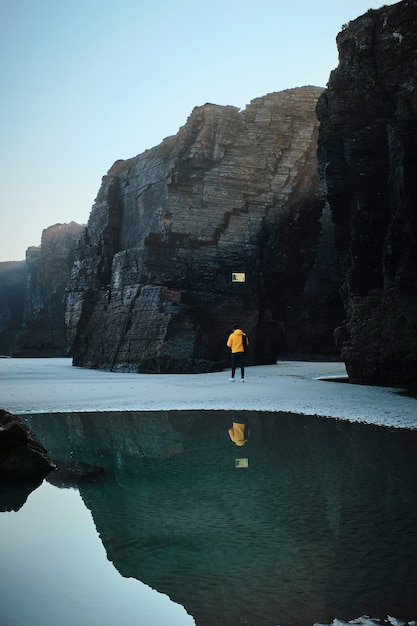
[(48, 270), (234, 191), (368, 162)]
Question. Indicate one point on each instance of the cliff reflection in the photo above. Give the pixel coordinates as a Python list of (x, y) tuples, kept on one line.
[(320, 524)]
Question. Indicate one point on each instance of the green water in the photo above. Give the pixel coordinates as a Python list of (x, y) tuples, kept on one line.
[(317, 522)]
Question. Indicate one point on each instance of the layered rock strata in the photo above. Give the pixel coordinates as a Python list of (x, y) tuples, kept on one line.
[(233, 192), (368, 160), (48, 268)]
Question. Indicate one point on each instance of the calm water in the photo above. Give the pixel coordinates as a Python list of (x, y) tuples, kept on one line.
[(171, 523)]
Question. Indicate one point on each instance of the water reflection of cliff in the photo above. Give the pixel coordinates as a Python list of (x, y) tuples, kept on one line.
[(320, 524)]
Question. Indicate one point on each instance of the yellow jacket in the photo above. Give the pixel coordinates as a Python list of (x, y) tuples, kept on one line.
[(239, 433), (235, 341)]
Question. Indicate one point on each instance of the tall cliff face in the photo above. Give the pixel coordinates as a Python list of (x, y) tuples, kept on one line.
[(48, 270), (368, 161), (234, 191), (12, 298)]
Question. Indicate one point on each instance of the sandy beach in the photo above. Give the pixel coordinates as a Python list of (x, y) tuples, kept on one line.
[(54, 385)]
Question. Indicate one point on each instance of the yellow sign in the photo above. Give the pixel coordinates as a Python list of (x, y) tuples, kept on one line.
[(238, 277)]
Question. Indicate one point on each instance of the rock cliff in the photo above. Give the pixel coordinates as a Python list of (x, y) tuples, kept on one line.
[(48, 270), (367, 158), (12, 298), (233, 192)]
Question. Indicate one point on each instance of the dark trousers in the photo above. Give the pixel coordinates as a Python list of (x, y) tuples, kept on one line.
[(238, 360)]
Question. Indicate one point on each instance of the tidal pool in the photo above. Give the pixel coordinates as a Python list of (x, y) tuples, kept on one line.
[(158, 518)]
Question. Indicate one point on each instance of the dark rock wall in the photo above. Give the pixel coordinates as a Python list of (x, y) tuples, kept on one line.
[(368, 162), (12, 300), (233, 191), (48, 270)]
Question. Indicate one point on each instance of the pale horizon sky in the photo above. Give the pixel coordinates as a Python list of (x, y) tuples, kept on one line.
[(88, 82)]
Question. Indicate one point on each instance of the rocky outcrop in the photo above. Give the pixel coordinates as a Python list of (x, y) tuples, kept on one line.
[(12, 299), (367, 156), (22, 456), (233, 192), (48, 268)]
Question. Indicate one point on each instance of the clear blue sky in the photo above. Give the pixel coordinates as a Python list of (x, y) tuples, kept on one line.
[(87, 82)]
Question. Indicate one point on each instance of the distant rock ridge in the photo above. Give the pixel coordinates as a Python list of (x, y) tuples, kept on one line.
[(233, 192), (48, 267), (12, 298), (368, 158)]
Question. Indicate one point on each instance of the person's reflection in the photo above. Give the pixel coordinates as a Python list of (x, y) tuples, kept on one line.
[(239, 432)]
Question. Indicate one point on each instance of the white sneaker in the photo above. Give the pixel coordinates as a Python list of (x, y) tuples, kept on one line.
[(242, 380), (231, 380)]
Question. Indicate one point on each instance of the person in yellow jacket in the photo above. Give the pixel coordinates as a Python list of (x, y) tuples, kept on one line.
[(237, 342)]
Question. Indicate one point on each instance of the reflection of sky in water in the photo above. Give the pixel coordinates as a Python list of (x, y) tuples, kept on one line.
[(55, 572), (319, 523)]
